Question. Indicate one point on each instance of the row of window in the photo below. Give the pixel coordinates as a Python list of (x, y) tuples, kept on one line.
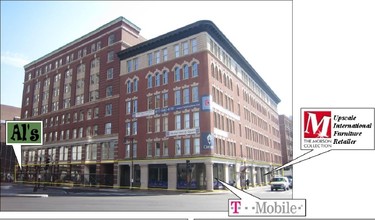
[(181, 97), (260, 155), (69, 58), (220, 53), (227, 148), (161, 55), (162, 78), (186, 146), (81, 132), (162, 124), (87, 152)]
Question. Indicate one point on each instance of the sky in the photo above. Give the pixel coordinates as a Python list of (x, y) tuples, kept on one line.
[(261, 31)]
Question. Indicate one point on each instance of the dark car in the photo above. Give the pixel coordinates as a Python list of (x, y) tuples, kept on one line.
[(290, 178)]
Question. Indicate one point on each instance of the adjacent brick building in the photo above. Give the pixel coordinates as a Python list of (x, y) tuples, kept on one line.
[(286, 138), (172, 112)]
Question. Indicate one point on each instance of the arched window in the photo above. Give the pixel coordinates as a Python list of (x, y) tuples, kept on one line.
[(186, 72), (195, 69), (157, 79), (177, 75), (149, 81), (135, 85), (129, 86), (165, 77)]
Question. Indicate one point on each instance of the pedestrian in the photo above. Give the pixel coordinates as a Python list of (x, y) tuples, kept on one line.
[(247, 183)]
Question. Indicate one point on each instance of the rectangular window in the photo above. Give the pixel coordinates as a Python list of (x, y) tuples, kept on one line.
[(185, 70), (96, 112), (187, 146), (149, 102), (157, 149), (165, 100), (108, 109), (196, 119), (178, 147), (157, 124), (177, 119), (177, 97), (196, 146), (194, 45), (136, 63), (127, 128), (157, 57), (111, 39), (177, 50), (187, 120), (165, 148), (135, 127), (110, 73), (135, 105), (128, 107), (109, 91), (185, 48), (149, 59), (108, 128), (186, 97), (149, 149), (129, 65), (110, 56), (157, 101), (194, 94), (165, 54), (165, 123)]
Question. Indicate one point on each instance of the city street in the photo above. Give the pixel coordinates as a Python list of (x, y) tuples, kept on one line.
[(127, 200)]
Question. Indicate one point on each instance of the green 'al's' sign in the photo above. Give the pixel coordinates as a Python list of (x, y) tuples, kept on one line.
[(24, 132)]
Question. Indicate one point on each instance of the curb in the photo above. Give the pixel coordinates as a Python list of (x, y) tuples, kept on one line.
[(25, 195)]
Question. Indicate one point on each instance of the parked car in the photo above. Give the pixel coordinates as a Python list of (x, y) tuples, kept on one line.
[(280, 182)]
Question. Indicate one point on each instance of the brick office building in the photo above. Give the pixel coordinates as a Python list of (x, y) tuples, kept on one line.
[(133, 112), (75, 91), (189, 95)]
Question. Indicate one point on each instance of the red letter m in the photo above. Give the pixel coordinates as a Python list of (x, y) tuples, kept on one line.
[(317, 124)]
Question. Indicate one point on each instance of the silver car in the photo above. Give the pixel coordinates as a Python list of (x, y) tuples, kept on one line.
[(280, 182)]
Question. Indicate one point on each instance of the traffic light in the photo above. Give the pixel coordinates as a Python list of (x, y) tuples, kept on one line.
[(47, 163)]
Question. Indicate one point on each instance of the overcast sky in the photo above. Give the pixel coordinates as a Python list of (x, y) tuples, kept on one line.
[(261, 31)]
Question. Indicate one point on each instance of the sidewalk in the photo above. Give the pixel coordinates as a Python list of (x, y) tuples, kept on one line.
[(27, 190)]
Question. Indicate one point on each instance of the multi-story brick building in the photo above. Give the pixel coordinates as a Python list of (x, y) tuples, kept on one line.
[(190, 95), (138, 117), (286, 138), (75, 91)]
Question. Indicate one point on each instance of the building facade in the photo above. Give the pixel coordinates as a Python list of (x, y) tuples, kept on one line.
[(286, 137), (75, 91), (180, 110)]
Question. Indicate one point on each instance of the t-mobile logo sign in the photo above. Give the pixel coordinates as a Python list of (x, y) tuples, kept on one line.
[(317, 124)]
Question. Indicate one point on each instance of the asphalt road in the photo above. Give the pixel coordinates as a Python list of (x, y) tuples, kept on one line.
[(112, 200)]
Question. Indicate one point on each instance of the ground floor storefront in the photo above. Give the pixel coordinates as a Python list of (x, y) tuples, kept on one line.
[(173, 174), (192, 173)]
